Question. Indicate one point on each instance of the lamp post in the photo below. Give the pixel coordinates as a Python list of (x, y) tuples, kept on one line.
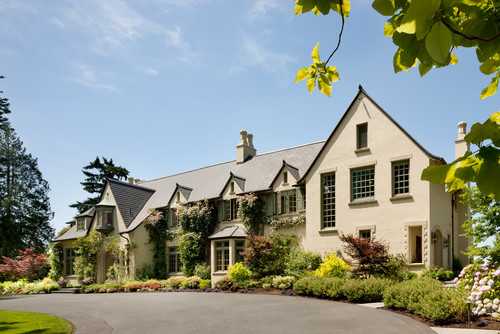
[(468, 302)]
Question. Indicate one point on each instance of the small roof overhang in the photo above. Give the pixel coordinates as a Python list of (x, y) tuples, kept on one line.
[(230, 232)]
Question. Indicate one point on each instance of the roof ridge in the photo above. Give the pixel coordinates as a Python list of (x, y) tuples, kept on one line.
[(227, 162), (123, 183)]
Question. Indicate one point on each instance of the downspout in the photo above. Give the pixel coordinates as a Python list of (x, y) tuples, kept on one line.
[(127, 259)]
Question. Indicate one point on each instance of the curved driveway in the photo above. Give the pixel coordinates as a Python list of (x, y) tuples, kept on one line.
[(190, 312)]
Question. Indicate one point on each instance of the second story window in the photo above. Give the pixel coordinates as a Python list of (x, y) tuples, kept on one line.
[(400, 177), (174, 221), (231, 209), (362, 183)]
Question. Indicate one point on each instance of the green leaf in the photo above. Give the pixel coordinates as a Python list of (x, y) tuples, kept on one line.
[(490, 66), (397, 63), (481, 132), (302, 74), (332, 74), (315, 53), (324, 85), (323, 6), (311, 83), (419, 17), (438, 43), (389, 30), (492, 88), (384, 7), (423, 68), (487, 179)]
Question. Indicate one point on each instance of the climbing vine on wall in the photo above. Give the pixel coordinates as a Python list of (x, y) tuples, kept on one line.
[(283, 223), (87, 248), (251, 212), (56, 260), (157, 226)]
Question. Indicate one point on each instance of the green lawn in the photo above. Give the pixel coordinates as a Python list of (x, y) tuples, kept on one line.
[(27, 322)]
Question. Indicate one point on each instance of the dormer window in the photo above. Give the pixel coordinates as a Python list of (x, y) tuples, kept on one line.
[(362, 136), (104, 215), (80, 224)]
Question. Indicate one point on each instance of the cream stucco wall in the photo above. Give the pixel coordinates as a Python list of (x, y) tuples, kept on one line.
[(389, 217)]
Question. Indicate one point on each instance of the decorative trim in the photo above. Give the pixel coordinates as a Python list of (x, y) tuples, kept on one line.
[(400, 197), (362, 150), (363, 202), (328, 230), (363, 164), (401, 157)]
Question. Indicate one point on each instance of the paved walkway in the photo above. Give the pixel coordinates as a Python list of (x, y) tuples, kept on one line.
[(190, 312)]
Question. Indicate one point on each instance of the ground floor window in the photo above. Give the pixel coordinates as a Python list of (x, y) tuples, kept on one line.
[(221, 255), (69, 259), (174, 262), (367, 234)]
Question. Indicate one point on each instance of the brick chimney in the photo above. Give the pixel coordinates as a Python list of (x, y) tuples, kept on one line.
[(245, 148), (460, 145)]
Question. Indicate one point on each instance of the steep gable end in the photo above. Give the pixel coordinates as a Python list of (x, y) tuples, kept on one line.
[(129, 198)]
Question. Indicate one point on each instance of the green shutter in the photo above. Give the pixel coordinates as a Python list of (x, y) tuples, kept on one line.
[(278, 203), (300, 200)]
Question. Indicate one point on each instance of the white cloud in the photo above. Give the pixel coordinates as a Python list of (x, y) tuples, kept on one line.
[(174, 37), (260, 8), (88, 77), (257, 55)]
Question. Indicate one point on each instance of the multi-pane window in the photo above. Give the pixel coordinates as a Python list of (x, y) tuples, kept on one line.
[(80, 224), (231, 209), (328, 200), (400, 177), (174, 262), (239, 248), (362, 136), (104, 218), (69, 259), (174, 220), (221, 255), (287, 201), (367, 234), (362, 183)]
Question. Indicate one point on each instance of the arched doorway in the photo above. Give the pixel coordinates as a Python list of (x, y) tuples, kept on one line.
[(438, 248)]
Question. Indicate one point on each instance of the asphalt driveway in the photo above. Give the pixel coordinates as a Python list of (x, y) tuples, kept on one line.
[(189, 312)]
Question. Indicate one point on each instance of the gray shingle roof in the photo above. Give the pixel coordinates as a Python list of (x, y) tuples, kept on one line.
[(229, 232), (89, 213), (129, 198), (208, 182), (72, 233)]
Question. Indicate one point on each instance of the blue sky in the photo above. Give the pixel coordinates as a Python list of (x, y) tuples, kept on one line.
[(164, 86)]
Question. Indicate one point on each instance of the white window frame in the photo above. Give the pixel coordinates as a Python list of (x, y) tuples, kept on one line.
[(328, 210)]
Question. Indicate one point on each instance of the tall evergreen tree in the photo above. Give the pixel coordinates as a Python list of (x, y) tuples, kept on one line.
[(4, 106), (24, 202), (96, 173)]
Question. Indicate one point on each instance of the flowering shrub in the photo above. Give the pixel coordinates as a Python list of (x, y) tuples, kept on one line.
[(238, 272), (190, 283), (332, 266), (480, 283), (251, 213)]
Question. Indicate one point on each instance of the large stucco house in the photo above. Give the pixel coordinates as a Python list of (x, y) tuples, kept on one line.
[(364, 179)]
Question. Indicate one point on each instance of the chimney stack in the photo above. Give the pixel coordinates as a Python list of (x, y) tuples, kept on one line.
[(461, 146), (131, 180), (245, 148)]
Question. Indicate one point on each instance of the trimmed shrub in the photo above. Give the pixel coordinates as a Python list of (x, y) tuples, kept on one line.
[(205, 284), (366, 290), (332, 266), (322, 287), (239, 273), (175, 282), (444, 275), (190, 283), (428, 298), (283, 282)]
